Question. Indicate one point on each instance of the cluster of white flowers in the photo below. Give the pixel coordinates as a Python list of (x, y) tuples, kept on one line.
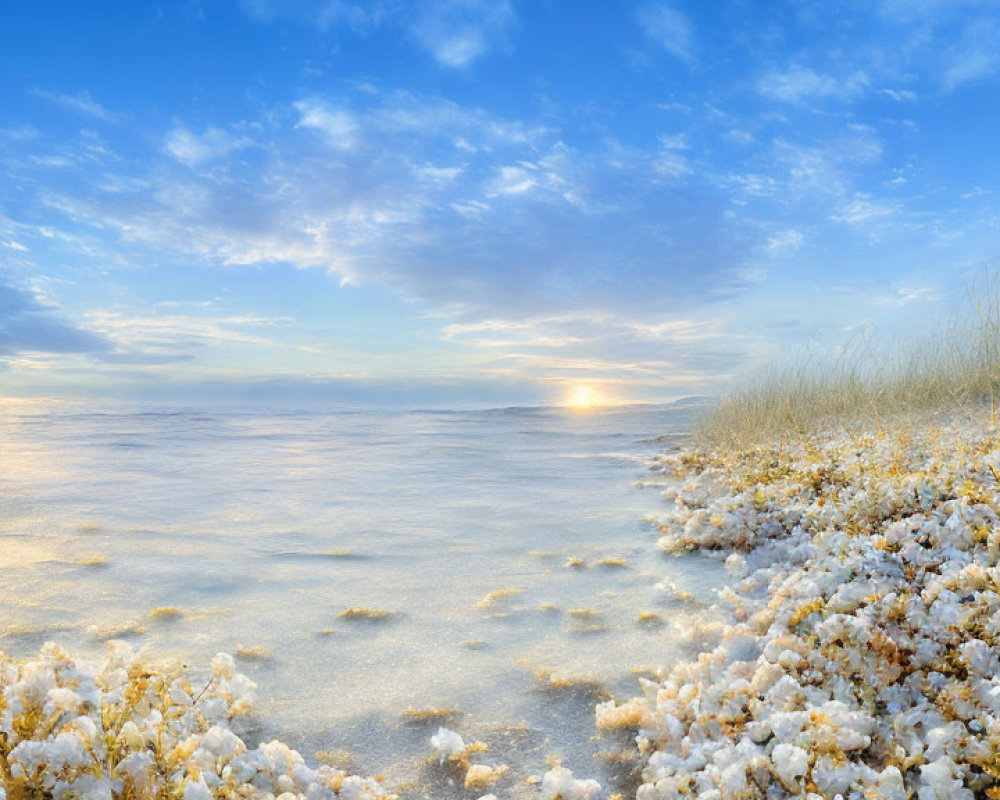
[(448, 743), (128, 732), (559, 784), (862, 654), (453, 749)]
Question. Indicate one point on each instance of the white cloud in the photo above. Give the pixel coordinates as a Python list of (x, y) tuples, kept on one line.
[(676, 330), (166, 337), (358, 17), (751, 184), (899, 95), (976, 193), (670, 164), (862, 209), (458, 48), (361, 18), (437, 175), (471, 129), (373, 188), (81, 102), (784, 242), (514, 180), (802, 83), (740, 136), (810, 169), (673, 141), (828, 166), (453, 32), (977, 60), (951, 42), (474, 209), (339, 127), (457, 329), (457, 32), (669, 161), (669, 28), (57, 162), (904, 295), (193, 150), (20, 133), (604, 347)]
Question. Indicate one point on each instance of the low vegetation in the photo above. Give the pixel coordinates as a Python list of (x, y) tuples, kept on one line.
[(957, 368)]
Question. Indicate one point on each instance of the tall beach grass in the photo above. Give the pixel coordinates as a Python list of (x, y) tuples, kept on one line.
[(957, 367)]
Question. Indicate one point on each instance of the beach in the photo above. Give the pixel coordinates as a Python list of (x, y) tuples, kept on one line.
[(376, 574), (861, 657), (499, 400), (852, 651)]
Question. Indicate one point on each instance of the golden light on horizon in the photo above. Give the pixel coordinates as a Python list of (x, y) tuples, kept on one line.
[(582, 396)]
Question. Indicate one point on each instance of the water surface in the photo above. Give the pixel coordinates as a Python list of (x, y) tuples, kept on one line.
[(262, 527)]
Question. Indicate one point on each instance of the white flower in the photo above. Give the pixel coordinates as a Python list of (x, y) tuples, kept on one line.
[(559, 782), (132, 736), (63, 700), (223, 666), (448, 743), (197, 790), (736, 565), (790, 762), (136, 765)]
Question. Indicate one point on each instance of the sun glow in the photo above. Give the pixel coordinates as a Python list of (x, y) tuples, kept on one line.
[(582, 396)]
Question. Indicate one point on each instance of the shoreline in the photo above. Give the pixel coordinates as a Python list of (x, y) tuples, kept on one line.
[(863, 649), (859, 657), (347, 688)]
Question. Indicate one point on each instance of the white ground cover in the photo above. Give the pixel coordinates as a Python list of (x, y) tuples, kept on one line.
[(860, 658), (123, 731), (861, 655)]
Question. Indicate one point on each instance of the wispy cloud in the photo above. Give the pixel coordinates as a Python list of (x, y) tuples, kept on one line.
[(669, 28), (862, 209), (975, 57), (899, 95), (605, 348), (784, 243), (905, 294), (514, 180), (457, 32), (325, 14), (168, 338), (584, 219), (26, 326), (448, 204), (670, 161), (338, 126), (825, 164), (81, 103), (799, 84), (195, 149)]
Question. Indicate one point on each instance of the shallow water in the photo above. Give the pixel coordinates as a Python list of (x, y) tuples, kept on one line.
[(261, 528)]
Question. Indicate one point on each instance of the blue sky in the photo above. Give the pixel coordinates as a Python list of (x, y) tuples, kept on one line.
[(477, 201)]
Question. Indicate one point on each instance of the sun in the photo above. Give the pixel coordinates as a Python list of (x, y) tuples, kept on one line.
[(582, 396)]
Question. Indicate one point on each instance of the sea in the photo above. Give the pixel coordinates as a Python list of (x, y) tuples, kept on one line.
[(376, 573)]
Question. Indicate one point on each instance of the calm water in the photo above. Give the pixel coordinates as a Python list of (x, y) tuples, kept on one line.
[(261, 528)]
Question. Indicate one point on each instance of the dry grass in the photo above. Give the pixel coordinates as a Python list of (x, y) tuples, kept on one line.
[(431, 714), (166, 613), (365, 615), (957, 368), (586, 685)]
